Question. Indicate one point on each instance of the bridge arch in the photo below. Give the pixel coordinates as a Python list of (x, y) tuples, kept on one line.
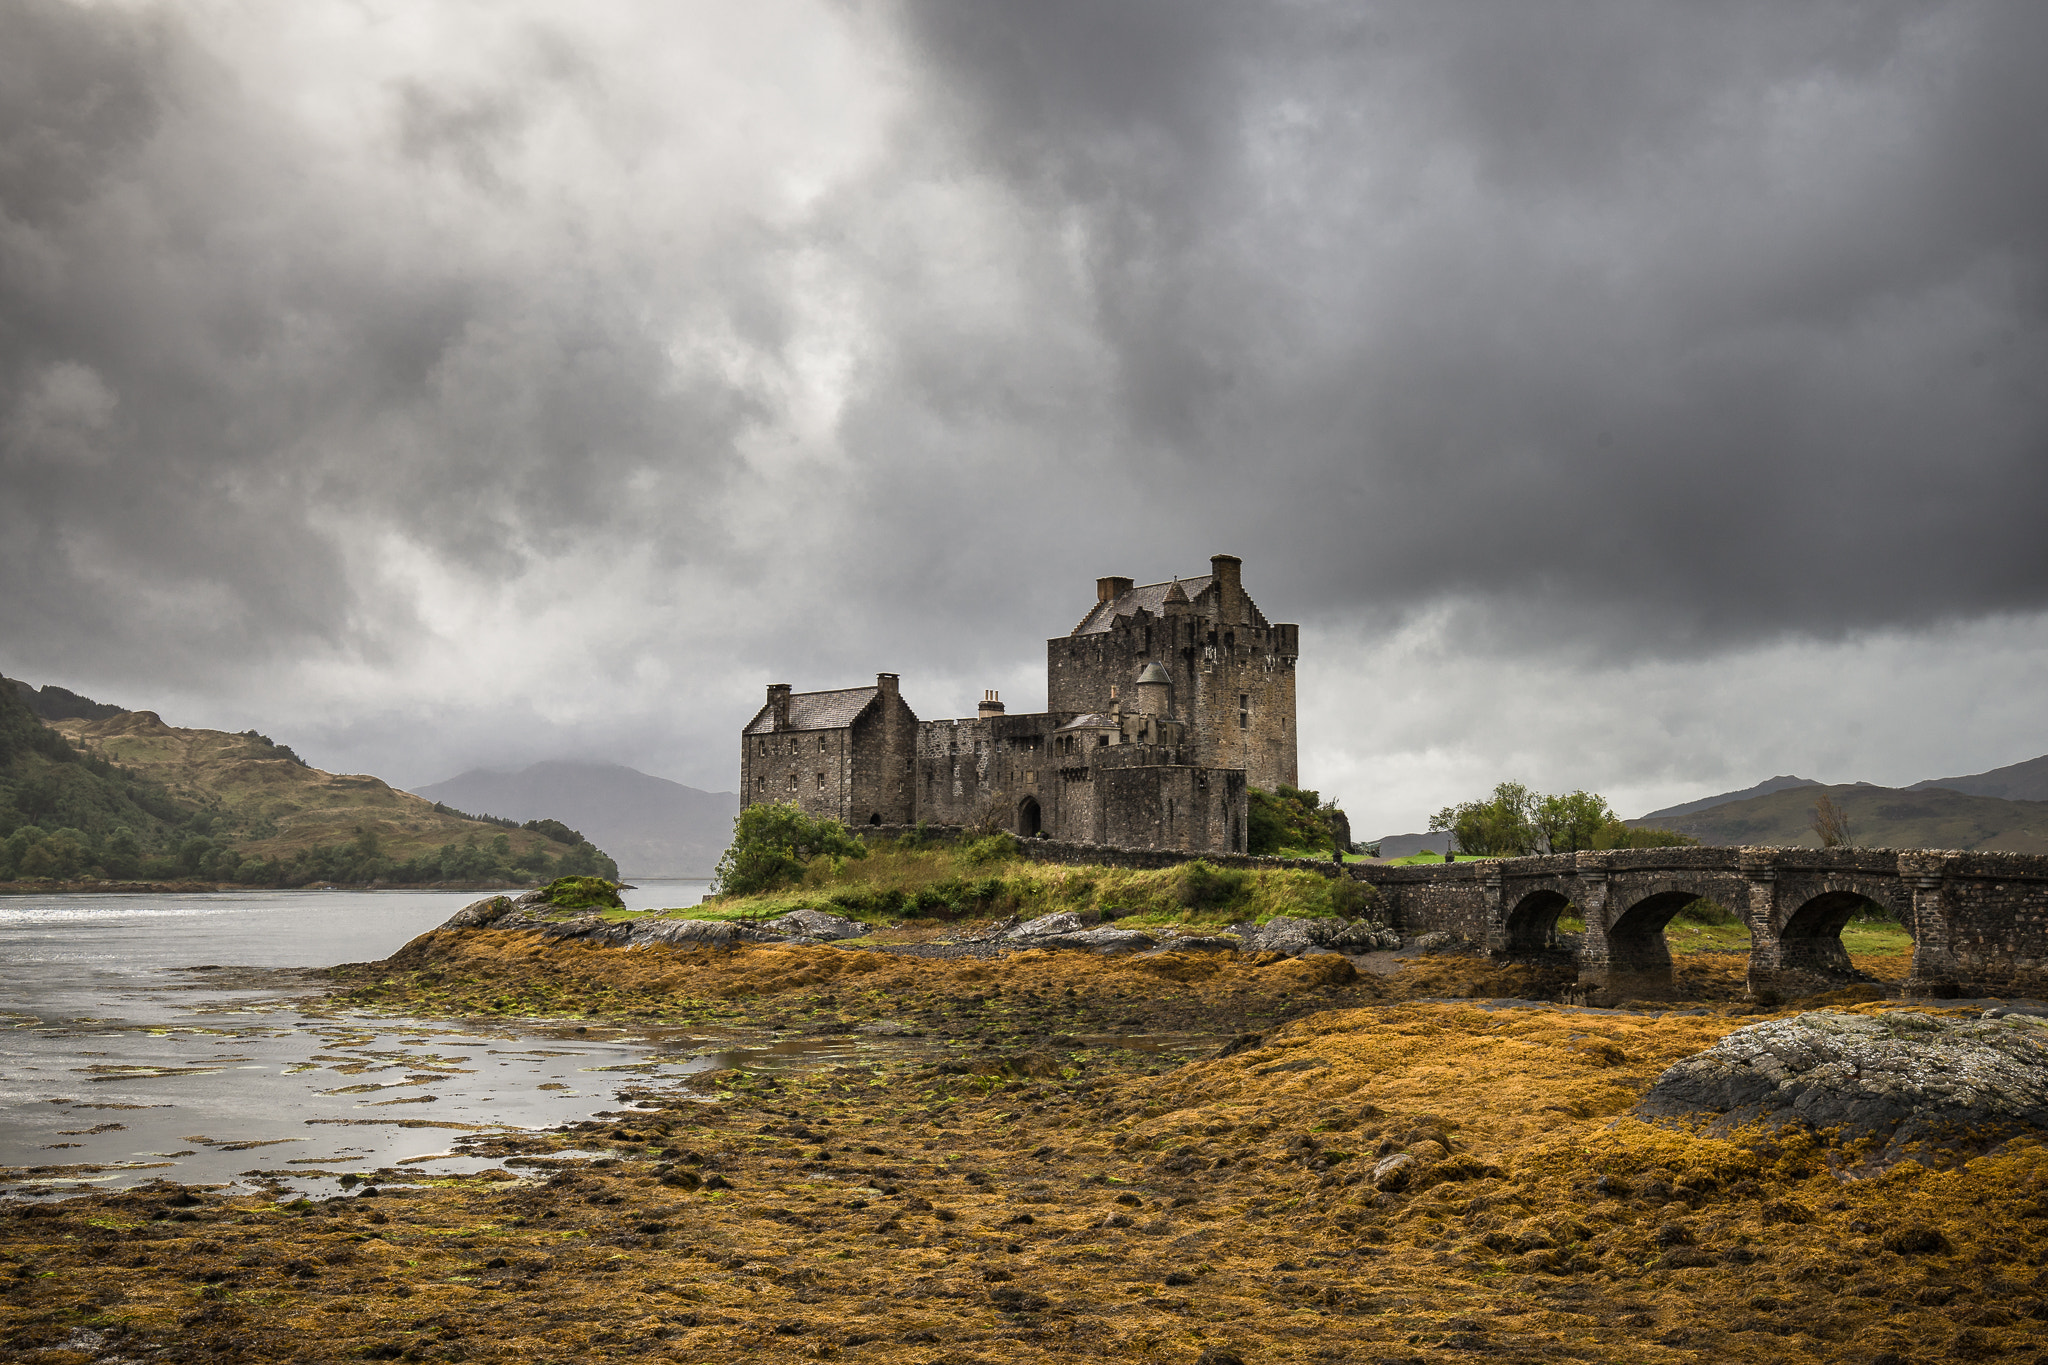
[(1638, 959), (1531, 926), (1807, 953)]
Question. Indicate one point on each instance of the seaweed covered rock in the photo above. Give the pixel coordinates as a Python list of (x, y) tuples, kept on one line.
[(1284, 934), (1902, 1084), (1045, 926), (818, 924), (480, 914)]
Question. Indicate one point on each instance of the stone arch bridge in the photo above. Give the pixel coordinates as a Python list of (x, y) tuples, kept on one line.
[(1979, 920)]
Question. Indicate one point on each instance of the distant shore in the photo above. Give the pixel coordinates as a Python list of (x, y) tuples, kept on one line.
[(132, 888)]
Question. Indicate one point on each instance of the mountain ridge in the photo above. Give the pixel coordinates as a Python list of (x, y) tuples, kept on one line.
[(653, 826)]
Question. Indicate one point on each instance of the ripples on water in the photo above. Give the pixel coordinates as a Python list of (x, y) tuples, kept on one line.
[(169, 1036)]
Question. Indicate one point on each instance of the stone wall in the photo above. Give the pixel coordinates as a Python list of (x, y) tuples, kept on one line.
[(813, 768), (1982, 925)]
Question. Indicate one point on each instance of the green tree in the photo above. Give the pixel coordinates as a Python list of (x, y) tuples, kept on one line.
[(1572, 821), (587, 860), (1290, 819), (772, 844), (121, 853), (1502, 826)]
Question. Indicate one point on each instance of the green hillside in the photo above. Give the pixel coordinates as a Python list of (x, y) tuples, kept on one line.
[(98, 793), (1879, 817)]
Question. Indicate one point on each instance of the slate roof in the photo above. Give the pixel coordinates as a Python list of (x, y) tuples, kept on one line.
[(817, 710), (1094, 720), (1152, 597)]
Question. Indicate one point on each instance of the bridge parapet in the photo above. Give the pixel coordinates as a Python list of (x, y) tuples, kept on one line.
[(1979, 920)]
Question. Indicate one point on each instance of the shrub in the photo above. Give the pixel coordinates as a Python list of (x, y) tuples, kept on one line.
[(582, 893), (771, 844), (1201, 885), (995, 848), (1351, 899), (871, 902), (1704, 911)]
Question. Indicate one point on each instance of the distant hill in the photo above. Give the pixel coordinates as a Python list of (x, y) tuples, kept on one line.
[(1407, 845), (88, 794), (1879, 817), (1764, 788), (2026, 781), (654, 827)]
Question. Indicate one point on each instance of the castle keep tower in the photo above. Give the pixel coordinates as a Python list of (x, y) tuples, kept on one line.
[(1166, 701), (1232, 673)]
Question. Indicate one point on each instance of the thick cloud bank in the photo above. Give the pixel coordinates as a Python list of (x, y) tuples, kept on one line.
[(458, 383)]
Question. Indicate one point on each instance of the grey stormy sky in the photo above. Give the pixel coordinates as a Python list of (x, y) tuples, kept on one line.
[(1641, 397)]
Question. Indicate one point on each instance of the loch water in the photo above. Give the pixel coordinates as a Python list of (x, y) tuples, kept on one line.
[(182, 1036)]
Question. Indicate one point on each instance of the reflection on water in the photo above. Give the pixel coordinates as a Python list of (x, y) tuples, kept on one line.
[(145, 1036)]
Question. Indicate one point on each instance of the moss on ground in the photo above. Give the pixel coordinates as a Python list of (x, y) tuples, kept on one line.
[(1044, 1205)]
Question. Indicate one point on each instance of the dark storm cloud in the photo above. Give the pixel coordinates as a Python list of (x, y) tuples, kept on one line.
[(234, 356), (1730, 318), (515, 369)]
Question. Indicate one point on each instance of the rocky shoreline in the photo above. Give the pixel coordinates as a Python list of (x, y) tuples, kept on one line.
[(1355, 1169)]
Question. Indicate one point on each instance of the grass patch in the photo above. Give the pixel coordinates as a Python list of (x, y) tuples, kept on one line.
[(1877, 938), (895, 884)]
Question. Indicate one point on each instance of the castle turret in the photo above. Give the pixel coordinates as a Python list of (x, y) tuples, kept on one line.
[(1155, 691)]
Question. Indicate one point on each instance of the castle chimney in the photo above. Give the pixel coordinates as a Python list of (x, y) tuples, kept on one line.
[(887, 682), (778, 704), (991, 705), (1229, 588), (1109, 589)]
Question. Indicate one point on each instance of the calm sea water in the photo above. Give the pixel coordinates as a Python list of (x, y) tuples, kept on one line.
[(175, 1036)]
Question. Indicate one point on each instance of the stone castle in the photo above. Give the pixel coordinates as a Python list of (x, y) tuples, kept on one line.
[(1163, 704)]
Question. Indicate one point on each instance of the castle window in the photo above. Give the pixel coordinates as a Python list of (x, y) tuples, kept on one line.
[(821, 744), (792, 781), (792, 743), (1244, 711), (821, 781), (1102, 741)]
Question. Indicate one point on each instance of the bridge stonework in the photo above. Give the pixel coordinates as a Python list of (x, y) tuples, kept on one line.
[(1979, 920)]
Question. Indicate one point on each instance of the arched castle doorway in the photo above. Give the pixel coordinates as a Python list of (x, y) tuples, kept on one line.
[(1029, 820)]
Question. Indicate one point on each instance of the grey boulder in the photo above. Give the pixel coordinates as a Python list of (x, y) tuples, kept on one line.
[(1097, 940), (1913, 1085), (1064, 922), (1285, 934), (817, 924)]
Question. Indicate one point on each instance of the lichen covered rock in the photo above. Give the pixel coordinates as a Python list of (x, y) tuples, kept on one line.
[(819, 925), (1897, 1084)]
